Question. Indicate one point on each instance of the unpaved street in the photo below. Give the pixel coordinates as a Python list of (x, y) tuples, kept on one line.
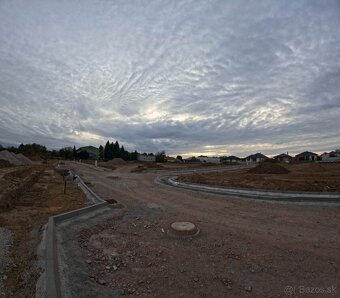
[(245, 248)]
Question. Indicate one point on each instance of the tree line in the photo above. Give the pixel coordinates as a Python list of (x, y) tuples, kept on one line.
[(114, 150), (107, 152)]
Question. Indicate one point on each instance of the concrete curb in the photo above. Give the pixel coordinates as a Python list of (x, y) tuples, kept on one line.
[(198, 170), (90, 194), (254, 194), (52, 273)]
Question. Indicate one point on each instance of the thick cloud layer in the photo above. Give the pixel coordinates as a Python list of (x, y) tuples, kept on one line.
[(190, 77)]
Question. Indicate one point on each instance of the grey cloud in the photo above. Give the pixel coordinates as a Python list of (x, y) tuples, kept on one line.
[(186, 76)]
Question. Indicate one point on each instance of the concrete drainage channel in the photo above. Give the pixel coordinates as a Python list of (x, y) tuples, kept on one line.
[(275, 196), (52, 278)]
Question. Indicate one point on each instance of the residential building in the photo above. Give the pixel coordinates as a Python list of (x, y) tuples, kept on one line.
[(306, 156), (172, 159), (333, 156), (191, 160), (258, 157), (207, 159), (284, 157), (146, 158), (230, 159)]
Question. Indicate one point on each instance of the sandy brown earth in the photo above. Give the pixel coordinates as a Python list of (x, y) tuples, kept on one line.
[(28, 197), (300, 177), (137, 166), (246, 248)]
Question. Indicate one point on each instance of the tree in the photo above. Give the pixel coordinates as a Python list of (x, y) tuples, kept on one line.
[(83, 154), (74, 152), (160, 156), (31, 149), (107, 151), (101, 152), (112, 155), (134, 155), (116, 150), (124, 154), (179, 158), (66, 153)]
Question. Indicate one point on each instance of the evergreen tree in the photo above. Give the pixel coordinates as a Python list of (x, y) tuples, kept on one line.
[(134, 155), (74, 152), (116, 150), (112, 151), (101, 152), (124, 154), (107, 151)]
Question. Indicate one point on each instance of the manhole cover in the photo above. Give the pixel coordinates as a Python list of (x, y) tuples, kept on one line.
[(183, 228)]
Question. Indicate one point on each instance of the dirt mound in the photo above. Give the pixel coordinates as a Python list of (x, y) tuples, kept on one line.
[(11, 158), (138, 169), (116, 161), (4, 164), (308, 167), (152, 165), (268, 168), (24, 159)]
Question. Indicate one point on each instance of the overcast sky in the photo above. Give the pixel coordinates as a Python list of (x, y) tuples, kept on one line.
[(190, 77)]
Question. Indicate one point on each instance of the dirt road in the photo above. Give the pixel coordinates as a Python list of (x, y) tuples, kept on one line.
[(245, 248)]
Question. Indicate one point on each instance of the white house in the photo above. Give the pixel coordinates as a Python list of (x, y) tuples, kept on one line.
[(258, 157), (306, 156), (207, 159), (146, 158), (284, 157), (333, 156), (231, 159)]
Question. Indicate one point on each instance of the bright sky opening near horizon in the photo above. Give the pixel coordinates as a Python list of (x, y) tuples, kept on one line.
[(189, 77)]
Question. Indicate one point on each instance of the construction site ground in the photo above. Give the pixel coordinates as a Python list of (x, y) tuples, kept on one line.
[(245, 248), (29, 195), (311, 177)]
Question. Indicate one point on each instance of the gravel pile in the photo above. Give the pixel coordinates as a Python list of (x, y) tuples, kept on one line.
[(116, 161), (24, 159), (5, 243), (15, 159), (11, 158)]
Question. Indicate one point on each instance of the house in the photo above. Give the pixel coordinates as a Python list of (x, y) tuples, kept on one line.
[(146, 158), (258, 157), (230, 159), (284, 157), (333, 156), (306, 156), (191, 160), (172, 159), (206, 159)]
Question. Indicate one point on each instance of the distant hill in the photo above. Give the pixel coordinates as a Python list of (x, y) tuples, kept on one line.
[(92, 151)]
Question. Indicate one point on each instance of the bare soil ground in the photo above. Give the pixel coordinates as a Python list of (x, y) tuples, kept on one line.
[(4, 164), (246, 248), (136, 257), (28, 197), (313, 177)]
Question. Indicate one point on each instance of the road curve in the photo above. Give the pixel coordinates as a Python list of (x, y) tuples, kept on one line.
[(261, 233)]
